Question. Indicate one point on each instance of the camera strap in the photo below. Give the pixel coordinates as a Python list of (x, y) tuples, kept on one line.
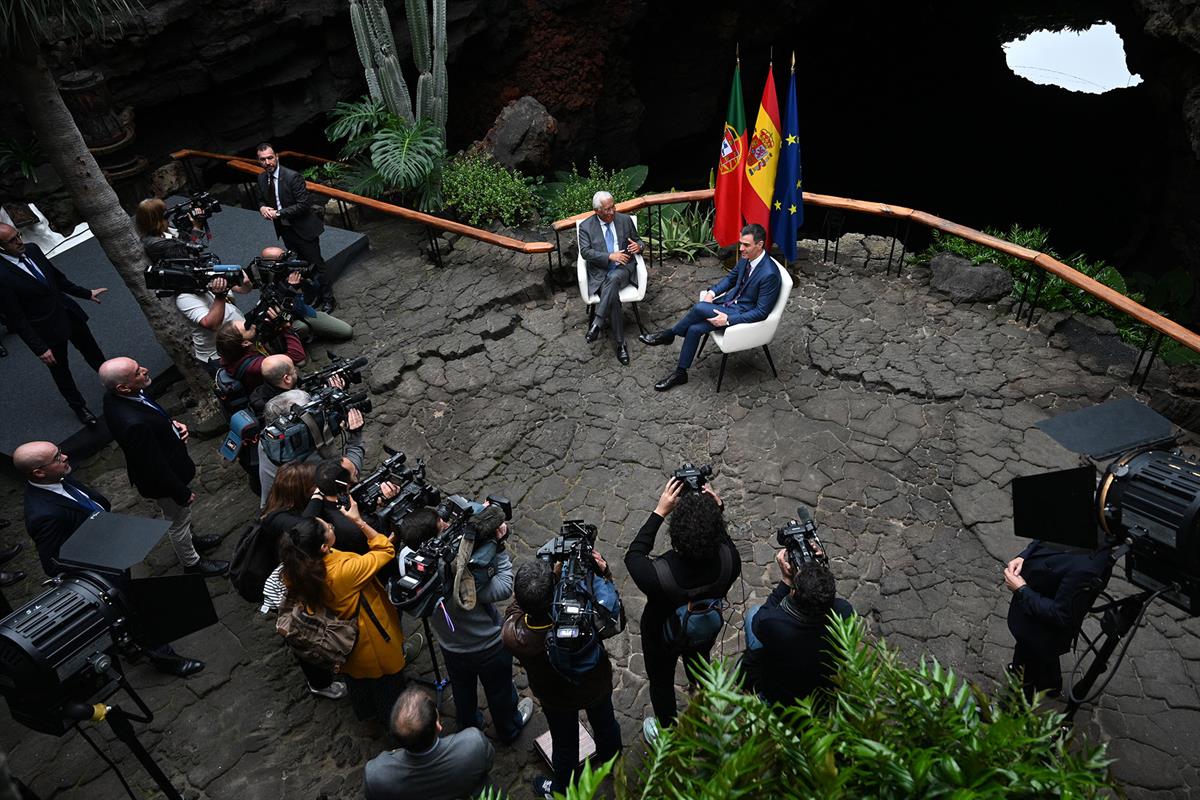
[(666, 579)]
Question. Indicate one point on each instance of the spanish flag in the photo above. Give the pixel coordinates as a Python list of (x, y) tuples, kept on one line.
[(762, 159)]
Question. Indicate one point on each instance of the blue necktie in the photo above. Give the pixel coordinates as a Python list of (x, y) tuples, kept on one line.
[(741, 284), (82, 498), (27, 262), (611, 240), (147, 401)]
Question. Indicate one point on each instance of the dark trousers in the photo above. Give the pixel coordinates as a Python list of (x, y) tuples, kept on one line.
[(85, 343), (318, 677), (660, 672), (564, 737), (309, 250), (694, 325), (493, 668), (609, 308), (1040, 671)]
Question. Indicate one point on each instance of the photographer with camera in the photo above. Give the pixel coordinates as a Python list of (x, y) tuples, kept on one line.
[(301, 446), (273, 266), (527, 623), (787, 650), (242, 354), (468, 626), (162, 240), (685, 587)]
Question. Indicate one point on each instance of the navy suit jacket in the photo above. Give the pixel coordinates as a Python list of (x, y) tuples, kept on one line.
[(41, 315), (296, 209), (758, 297), (51, 518), (156, 460), (1060, 587)]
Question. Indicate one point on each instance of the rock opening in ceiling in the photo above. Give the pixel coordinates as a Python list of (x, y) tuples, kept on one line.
[(1090, 61)]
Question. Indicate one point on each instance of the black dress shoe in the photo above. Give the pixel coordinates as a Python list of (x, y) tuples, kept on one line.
[(85, 416), (593, 333), (9, 578), (179, 666), (676, 378), (9, 553), (656, 338), (623, 354), (205, 543), (208, 568)]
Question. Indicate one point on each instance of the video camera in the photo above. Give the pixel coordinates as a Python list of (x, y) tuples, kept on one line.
[(280, 298), (308, 427), (349, 369), (800, 539), (414, 491), (198, 207), (693, 477), (171, 276), (584, 611), (264, 270), (422, 586)]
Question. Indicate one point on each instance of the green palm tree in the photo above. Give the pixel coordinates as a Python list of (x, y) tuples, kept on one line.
[(25, 25)]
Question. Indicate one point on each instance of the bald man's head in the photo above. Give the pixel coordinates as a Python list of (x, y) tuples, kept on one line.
[(273, 253), (10, 240), (279, 371), (41, 462), (124, 376)]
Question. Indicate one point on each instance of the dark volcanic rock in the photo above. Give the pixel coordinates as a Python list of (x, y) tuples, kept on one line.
[(523, 137), (966, 282)]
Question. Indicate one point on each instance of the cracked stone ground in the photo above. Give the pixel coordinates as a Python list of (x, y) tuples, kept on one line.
[(898, 416)]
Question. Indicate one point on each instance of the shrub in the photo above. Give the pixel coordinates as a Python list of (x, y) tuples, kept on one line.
[(482, 190), (571, 193), (687, 230)]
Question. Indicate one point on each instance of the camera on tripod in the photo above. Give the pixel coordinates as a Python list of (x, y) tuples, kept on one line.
[(348, 369), (308, 427), (171, 276), (800, 539), (693, 477), (199, 206)]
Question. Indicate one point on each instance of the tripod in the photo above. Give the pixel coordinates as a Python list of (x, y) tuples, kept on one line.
[(1119, 618), (439, 683)]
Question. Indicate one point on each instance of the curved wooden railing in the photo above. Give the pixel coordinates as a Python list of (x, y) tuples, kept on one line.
[(437, 223)]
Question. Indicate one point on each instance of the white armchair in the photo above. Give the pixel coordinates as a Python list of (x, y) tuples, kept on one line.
[(749, 335), (630, 294)]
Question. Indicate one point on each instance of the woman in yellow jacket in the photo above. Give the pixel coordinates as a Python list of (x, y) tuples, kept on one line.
[(318, 575)]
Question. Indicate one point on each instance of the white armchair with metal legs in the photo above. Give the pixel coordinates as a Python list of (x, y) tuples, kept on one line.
[(748, 335), (629, 295)]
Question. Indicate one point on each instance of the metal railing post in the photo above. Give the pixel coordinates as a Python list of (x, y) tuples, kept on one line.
[(434, 247), (1037, 295)]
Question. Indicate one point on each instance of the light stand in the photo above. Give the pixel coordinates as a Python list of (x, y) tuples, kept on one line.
[(1120, 617)]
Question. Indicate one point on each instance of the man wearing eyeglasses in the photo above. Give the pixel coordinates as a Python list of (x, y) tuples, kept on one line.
[(283, 199), (36, 301)]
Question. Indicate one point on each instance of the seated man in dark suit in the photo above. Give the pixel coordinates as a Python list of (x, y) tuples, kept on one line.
[(609, 244), (35, 301), (749, 293), (1052, 592), (55, 506)]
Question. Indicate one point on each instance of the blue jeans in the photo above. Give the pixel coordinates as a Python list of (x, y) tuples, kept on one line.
[(694, 325), (493, 668), (564, 737)]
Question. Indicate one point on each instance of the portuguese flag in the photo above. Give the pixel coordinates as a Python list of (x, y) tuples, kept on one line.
[(727, 199), (762, 159)]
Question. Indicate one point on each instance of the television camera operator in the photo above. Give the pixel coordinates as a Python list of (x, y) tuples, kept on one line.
[(285, 271), (469, 628), (1052, 591), (166, 233)]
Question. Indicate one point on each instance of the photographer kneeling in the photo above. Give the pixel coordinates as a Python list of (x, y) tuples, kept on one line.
[(787, 650), (468, 629), (313, 324), (685, 589)]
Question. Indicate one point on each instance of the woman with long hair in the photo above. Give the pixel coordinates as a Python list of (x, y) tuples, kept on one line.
[(321, 576)]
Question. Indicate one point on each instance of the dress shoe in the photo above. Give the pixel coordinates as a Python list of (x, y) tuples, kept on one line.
[(85, 415), (676, 378), (208, 568), (205, 543), (656, 338), (623, 354), (9, 578), (178, 666), (7, 554), (593, 333)]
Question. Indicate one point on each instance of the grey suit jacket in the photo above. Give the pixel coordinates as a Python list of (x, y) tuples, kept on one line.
[(457, 767), (595, 249)]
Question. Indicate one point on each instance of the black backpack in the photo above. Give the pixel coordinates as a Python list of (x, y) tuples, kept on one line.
[(229, 389), (698, 621), (255, 557)]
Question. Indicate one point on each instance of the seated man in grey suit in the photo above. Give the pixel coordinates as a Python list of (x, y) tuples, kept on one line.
[(609, 244), (428, 767)]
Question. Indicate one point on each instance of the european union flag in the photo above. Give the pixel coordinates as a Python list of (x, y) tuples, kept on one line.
[(787, 207)]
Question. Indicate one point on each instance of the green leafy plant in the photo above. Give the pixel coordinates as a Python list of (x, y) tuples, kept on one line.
[(685, 230), (388, 156), (570, 193), (21, 156), (330, 173), (482, 190)]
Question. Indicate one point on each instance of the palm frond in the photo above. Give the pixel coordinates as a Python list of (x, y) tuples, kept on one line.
[(47, 20)]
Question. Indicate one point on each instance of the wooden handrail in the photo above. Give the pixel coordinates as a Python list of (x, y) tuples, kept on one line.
[(507, 242)]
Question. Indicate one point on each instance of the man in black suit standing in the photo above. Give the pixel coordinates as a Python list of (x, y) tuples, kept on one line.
[(55, 506), (156, 459), (35, 299), (609, 244), (283, 199)]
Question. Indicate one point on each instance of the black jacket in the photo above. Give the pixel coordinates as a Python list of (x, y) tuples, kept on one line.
[(1046, 613), (157, 461), (51, 518), (296, 212), (41, 315)]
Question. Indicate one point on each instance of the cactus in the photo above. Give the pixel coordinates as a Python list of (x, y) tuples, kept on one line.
[(377, 51)]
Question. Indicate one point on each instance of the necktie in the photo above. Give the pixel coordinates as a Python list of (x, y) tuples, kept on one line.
[(271, 190), (147, 401), (82, 498), (610, 238), (27, 262), (741, 285)]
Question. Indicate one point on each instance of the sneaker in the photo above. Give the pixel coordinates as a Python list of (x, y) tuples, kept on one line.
[(413, 645), (543, 787), (334, 691), (525, 711), (650, 730)]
